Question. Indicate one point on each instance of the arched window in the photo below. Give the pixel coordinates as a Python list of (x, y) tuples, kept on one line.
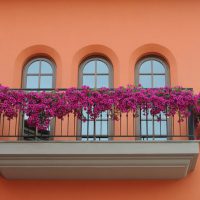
[(96, 72), (152, 72), (39, 73)]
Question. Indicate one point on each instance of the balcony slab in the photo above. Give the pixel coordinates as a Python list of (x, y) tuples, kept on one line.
[(97, 160)]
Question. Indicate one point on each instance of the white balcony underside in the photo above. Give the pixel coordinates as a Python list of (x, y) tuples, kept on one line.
[(97, 160)]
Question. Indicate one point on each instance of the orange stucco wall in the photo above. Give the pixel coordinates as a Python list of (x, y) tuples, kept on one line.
[(122, 30), (183, 189)]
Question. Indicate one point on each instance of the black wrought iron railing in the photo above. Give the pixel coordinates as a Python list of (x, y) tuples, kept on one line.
[(104, 128)]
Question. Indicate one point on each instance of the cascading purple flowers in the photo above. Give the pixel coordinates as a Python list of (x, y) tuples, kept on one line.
[(41, 107), (10, 102)]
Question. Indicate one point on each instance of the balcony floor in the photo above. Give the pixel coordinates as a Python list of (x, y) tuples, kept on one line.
[(97, 160)]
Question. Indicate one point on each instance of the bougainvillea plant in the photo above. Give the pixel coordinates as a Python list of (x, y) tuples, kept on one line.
[(41, 107)]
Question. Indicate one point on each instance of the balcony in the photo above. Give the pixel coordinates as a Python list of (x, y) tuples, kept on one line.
[(114, 145)]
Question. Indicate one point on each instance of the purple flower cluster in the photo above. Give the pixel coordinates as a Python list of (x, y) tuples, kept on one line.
[(10, 102), (41, 107)]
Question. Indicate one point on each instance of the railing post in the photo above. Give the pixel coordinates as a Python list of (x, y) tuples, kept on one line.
[(191, 126)]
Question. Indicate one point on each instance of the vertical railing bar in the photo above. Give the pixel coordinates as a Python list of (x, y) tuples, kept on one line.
[(36, 133), (160, 125), (88, 126), (179, 124), (74, 124), (153, 128), (23, 125), (133, 125), (127, 124), (68, 125), (0, 121), (191, 127), (107, 124), (101, 124), (54, 132), (140, 132), (186, 121), (167, 128), (3, 125), (120, 124), (9, 127), (79, 122), (16, 125), (94, 131), (29, 130), (61, 128), (172, 125), (54, 128), (147, 125)]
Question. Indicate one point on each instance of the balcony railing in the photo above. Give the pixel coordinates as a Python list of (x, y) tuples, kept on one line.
[(128, 126)]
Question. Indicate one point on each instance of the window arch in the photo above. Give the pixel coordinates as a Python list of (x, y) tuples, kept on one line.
[(96, 72), (152, 72), (39, 73)]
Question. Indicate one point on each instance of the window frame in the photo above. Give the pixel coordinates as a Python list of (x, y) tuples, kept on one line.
[(96, 58), (167, 83), (110, 126), (40, 59), (24, 86), (149, 58)]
